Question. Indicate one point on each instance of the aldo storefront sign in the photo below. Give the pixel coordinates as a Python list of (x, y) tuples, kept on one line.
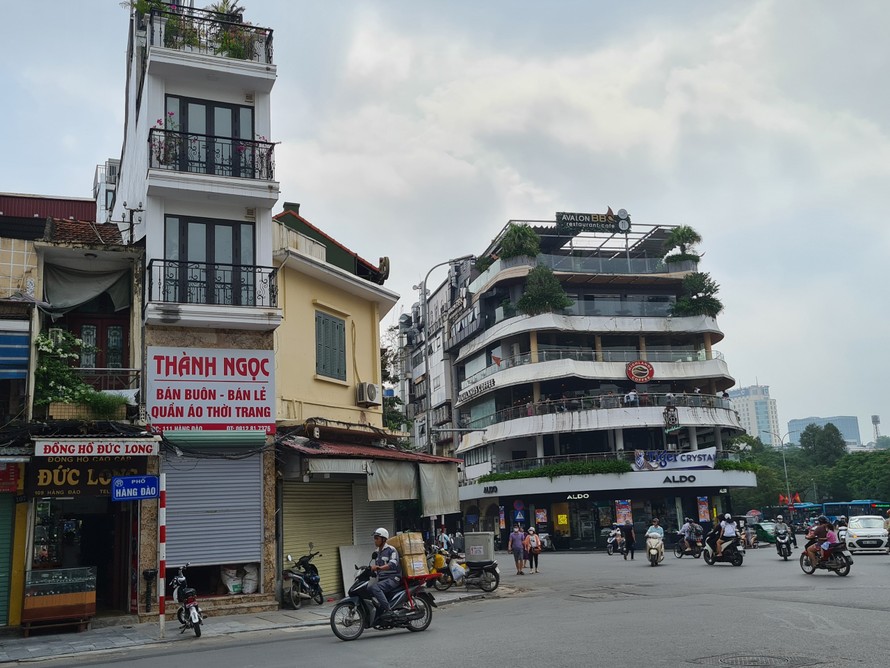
[(677, 479)]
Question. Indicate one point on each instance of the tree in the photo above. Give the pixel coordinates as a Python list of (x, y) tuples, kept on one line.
[(543, 293), (520, 240), (823, 445), (883, 443), (682, 238), (698, 296)]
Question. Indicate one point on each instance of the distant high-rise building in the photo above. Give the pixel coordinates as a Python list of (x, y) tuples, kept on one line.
[(757, 412), (848, 425)]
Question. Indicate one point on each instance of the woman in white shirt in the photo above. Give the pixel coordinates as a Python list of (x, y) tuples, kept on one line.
[(728, 533)]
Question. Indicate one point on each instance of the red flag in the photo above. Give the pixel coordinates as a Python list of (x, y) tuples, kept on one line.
[(781, 499), (496, 359), (796, 498)]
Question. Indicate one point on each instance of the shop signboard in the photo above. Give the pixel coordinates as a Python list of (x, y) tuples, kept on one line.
[(73, 476), (623, 511), (96, 447), (540, 515), (502, 522), (135, 488), (9, 477), (703, 514), (195, 389), (662, 460)]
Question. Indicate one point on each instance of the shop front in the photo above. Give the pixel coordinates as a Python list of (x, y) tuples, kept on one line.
[(84, 546)]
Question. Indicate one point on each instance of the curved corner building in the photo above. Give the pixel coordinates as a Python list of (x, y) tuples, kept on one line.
[(612, 378)]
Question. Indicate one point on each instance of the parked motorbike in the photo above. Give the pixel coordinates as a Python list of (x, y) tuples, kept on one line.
[(189, 613), (783, 544), (483, 574), (615, 543), (682, 547), (733, 553), (837, 559), (654, 549), (412, 606), (305, 582)]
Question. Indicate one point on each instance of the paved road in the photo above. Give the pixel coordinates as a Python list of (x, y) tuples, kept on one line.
[(584, 608)]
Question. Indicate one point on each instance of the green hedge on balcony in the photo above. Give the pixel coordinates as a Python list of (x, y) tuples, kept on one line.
[(565, 468), (730, 465)]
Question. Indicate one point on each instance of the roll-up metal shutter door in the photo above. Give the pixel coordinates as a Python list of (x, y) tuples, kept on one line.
[(320, 512), (7, 522), (214, 511), (367, 516)]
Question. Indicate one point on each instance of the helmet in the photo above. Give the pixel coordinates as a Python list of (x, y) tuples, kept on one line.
[(779, 518), (687, 519), (823, 519), (655, 519), (383, 533), (727, 516)]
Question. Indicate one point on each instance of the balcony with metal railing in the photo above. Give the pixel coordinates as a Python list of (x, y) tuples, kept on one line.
[(596, 402), (588, 355), (205, 294), (207, 154), (110, 378)]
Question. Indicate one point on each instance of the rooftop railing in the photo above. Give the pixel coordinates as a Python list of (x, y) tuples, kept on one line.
[(574, 404), (209, 32), (549, 355)]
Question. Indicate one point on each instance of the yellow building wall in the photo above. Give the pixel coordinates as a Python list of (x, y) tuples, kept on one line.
[(301, 393)]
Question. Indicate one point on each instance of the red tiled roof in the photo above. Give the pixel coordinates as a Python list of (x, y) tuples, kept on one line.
[(324, 449), (82, 232), (288, 212)]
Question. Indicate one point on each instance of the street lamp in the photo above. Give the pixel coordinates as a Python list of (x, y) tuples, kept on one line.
[(426, 348), (784, 465)]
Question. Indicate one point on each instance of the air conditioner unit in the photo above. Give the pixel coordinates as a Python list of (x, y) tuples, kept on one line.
[(368, 394)]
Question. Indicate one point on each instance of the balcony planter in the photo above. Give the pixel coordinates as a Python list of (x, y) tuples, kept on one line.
[(58, 410)]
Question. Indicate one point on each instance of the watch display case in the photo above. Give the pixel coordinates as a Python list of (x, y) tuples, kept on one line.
[(55, 594)]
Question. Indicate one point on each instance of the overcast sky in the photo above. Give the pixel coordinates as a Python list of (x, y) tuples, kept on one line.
[(418, 129)]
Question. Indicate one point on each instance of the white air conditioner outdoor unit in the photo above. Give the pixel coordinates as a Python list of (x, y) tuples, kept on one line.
[(368, 394)]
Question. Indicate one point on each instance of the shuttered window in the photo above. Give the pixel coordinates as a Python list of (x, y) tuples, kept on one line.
[(330, 346), (320, 512)]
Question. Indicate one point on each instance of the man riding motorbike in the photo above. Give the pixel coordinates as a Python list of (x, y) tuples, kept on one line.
[(386, 567), (820, 533), (781, 526), (689, 533), (656, 530)]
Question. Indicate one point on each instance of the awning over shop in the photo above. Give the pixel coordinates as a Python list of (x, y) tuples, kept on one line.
[(392, 474)]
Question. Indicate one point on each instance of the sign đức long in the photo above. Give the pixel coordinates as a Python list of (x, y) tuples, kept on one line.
[(211, 388)]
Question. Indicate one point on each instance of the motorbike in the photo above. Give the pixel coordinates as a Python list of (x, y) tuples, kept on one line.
[(733, 553), (483, 574), (682, 547), (837, 559), (412, 606), (614, 544), (783, 544), (189, 613), (305, 582), (654, 549)]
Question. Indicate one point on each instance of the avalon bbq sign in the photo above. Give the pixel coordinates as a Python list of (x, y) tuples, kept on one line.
[(211, 388)]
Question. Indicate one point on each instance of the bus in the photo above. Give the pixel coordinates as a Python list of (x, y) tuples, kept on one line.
[(834, 509)]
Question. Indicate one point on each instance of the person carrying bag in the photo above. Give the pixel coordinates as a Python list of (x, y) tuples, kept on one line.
[(532, 545)]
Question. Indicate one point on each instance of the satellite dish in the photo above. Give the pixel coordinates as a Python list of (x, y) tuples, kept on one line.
[(622, 213)]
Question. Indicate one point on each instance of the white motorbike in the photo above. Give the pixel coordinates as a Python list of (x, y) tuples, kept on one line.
[(654, 548), (189, 613)]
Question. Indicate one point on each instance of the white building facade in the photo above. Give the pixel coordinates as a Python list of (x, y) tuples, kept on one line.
[(757, 411)]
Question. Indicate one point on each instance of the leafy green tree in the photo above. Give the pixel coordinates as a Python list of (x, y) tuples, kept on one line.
[(543, 293), (520, 239), (883, 443), (823, 445), (682, 239), (698, 296)]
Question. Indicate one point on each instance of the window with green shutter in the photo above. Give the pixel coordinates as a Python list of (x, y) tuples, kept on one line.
[(330, 346)]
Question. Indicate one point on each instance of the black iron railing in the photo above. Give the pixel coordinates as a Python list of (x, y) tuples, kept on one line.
[(206, 154), (209, 32), (185, 282), (110, 378)]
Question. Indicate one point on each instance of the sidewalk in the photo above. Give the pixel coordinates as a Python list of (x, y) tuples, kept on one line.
[(58, 645)]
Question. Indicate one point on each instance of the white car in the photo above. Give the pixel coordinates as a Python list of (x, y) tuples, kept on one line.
[(866, 533)]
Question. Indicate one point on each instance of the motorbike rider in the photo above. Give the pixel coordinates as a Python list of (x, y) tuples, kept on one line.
[(820, 533), (615, 535), (657, 530), (386, 567), (728, 535), (688, 532), (781, 526)]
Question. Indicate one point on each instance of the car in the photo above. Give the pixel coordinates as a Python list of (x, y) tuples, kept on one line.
[(866, 533), (765, 531)]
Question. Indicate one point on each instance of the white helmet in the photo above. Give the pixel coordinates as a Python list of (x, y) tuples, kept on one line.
[(779, 518), (383, 533), (727, 516)]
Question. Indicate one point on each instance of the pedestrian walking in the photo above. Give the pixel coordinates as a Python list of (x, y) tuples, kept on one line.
[(515, 546), (532, 545), (630, 538)]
